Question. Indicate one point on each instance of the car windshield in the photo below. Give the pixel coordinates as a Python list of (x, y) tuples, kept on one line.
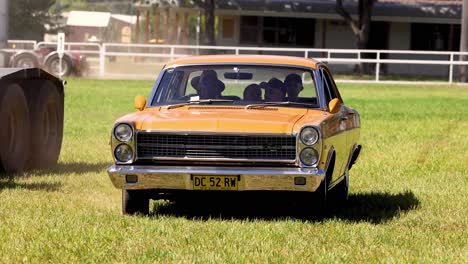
[(256, 86)]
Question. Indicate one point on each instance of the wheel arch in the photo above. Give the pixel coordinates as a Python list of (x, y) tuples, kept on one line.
[(331, 157), (21, 53), (353, 155)]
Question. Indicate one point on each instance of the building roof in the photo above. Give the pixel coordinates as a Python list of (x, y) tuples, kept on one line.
[(245, 59), (88, 19), (125, 18), (445, 9), (423, 2), (96, 19)]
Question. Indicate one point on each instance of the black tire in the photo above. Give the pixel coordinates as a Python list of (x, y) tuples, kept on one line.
[(25, 61), (339, 194), (321, 199), (47, 119), (14, 130), (52, 65), (134, 202), (312, 205)]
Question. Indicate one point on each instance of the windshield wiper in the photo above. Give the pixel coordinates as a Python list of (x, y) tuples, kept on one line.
[(261, 105), (204, 101)]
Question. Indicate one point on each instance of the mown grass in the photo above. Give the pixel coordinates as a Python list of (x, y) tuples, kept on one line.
[(408, 203)]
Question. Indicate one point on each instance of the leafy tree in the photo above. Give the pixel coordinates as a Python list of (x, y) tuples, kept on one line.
[(209, 8), (361, 27), (30, 19)]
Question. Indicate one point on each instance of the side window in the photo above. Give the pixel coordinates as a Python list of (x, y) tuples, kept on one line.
[(329, 86)]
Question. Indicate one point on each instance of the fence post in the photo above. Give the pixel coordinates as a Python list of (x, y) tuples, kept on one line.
[(306, 54), (451, 69), (172, 53), (102, 60), (237, 51), (377, 67)]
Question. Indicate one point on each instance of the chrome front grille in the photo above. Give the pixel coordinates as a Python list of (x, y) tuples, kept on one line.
[(223, 147)]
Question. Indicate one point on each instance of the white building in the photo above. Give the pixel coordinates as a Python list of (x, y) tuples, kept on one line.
[(396, 25)]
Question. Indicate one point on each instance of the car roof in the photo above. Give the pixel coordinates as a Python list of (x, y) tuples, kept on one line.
[(244, 59)]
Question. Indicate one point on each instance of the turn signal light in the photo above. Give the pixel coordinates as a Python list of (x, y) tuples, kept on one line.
[(299, 181), (131, 178)]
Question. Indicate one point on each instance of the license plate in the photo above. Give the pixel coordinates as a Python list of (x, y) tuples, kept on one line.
[(215, 183)]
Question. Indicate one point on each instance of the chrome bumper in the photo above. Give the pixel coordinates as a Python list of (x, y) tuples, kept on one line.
[(250, 179)]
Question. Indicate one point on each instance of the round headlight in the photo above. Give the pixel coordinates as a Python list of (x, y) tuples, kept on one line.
[(123, 132), (309, 136), (123, 153), (309, 156)]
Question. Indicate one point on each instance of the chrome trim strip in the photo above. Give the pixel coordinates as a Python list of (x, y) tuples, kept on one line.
[(256, 147), (201, 133), (180, 177), (220, 159)]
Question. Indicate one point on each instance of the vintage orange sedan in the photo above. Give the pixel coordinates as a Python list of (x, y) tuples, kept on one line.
[(236, 123)]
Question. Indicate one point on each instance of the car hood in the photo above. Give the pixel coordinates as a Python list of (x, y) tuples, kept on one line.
[(220, 119)]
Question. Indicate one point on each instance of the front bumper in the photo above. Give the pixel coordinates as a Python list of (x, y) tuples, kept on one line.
[(250, 179)]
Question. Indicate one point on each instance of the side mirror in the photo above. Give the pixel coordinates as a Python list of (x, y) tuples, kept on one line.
[(334, 105), (140, 103)]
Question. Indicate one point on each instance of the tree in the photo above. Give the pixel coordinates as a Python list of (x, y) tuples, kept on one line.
[(30, 19), (209, 36), (208, 8), (464, 42), (360, 28)]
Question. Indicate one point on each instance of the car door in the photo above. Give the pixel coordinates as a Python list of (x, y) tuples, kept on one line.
[(338, 125), (350, 120)]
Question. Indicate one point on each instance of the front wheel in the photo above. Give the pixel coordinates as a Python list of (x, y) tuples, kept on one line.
[(53, 65), (134, 202), (340, 193), (313, 205), (321, 198), (25, 61)]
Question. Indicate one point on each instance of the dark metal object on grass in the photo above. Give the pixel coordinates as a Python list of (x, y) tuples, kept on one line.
[(31, 114)]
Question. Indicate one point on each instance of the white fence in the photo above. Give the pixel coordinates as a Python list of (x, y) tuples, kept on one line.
[(143, 61)]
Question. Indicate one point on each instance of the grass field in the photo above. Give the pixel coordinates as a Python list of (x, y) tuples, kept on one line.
[(408, 202)]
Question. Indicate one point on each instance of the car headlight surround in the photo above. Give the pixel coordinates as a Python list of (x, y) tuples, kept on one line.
[(123, 132), (123, 153), (309, 156), (309, 136)]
